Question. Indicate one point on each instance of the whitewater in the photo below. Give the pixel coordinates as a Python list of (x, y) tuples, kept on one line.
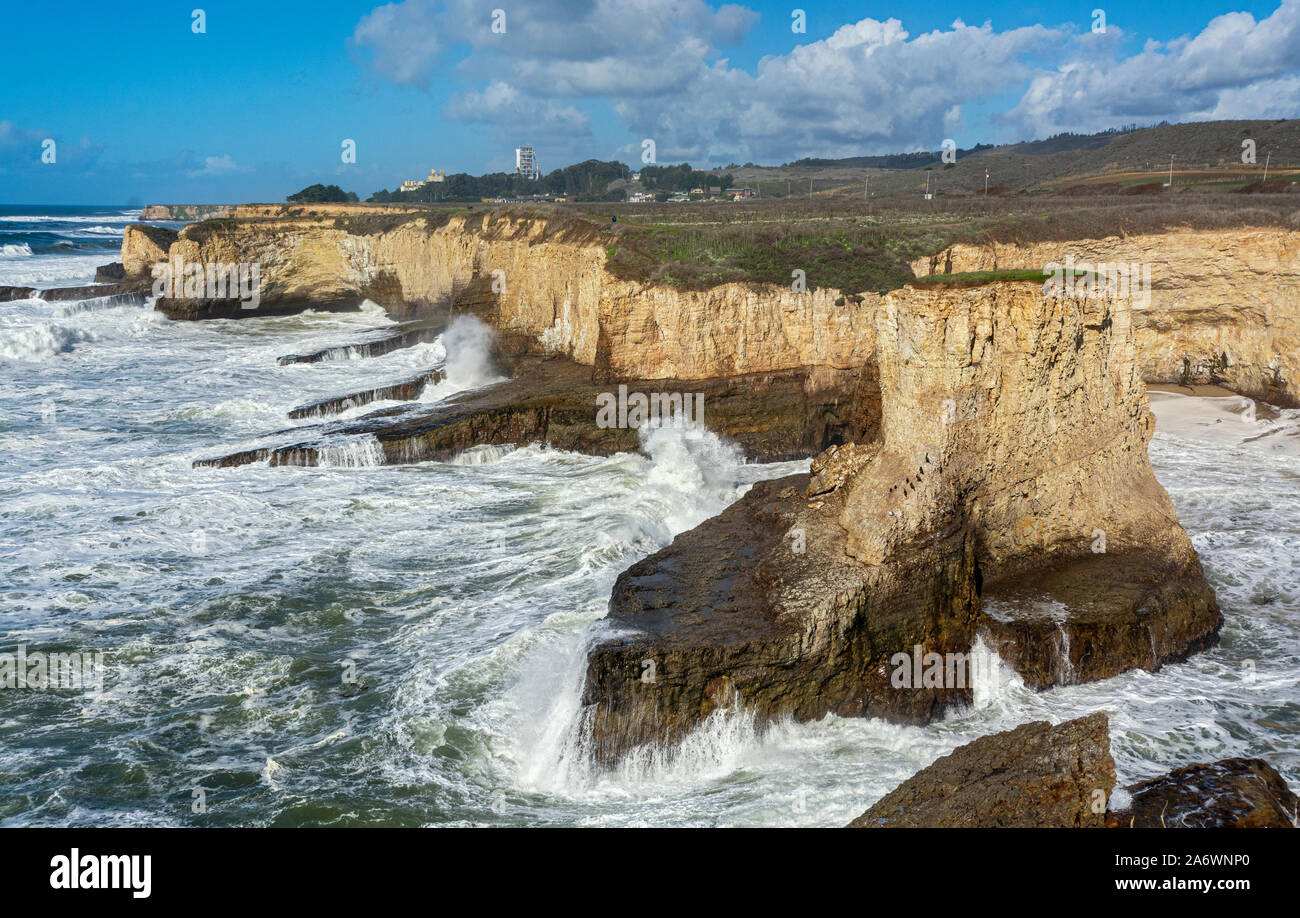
[(359, 644)]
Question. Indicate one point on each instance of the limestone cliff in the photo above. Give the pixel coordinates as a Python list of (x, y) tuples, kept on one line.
[(531, 279), (143, 247), (1224, 306), (1013, 443)]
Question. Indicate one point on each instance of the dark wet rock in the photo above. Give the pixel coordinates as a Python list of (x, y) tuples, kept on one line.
[(375, 344), (771, 416), (110, 274), (1231, 793), (138, 288), (407, 390), (1099, 617), (1036, 775), (759, 610), (8, 294), (988, 477), (193, 309)]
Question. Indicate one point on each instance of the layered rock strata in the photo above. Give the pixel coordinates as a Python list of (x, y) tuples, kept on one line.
[(772, 417), (1224, 307), (1013, 434)]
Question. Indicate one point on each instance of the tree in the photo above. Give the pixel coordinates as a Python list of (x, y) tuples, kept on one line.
[(322, 194)]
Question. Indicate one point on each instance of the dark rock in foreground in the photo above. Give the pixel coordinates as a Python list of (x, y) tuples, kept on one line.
[(1100, 617), (1035, 776), (407, 334), (404, 391), (772, 416), (183, 310), (16, 293), (1232, 793), (95, 291), (760, 609), (113, 273)]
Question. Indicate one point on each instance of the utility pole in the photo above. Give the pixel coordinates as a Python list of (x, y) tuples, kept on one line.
[(986, 183), (1171, 171), (810, 187), (1266, 159)]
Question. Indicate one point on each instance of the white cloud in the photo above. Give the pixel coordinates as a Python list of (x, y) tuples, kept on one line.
[(216, 165), (868, 88), (1234, 68)]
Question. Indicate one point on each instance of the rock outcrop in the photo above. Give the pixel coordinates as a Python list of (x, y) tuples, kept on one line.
[(1232, 793), (1013, 432), (772, 417), (143, 247), (1044, 776), (1224, 306), (1035, 776)]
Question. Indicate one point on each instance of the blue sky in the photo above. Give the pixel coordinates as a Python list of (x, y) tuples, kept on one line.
[(143, 110)]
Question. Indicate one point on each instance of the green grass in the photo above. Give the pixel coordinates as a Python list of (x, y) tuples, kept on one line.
[(849, 255), (980, 278)]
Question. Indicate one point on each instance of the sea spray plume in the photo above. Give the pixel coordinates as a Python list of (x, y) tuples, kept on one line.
[(469, 345)]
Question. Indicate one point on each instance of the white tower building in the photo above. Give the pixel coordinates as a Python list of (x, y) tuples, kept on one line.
[(526, 163)]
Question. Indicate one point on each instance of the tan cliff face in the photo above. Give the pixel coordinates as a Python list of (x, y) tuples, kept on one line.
[(1022, 414), (1224, 306), (143, 247), (550, 287), (1214, 295), (1008, 496)]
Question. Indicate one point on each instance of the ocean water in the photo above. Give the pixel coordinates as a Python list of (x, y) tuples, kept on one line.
[(360, 645)]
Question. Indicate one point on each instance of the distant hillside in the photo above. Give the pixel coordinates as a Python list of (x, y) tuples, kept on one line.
[(1124, 157)]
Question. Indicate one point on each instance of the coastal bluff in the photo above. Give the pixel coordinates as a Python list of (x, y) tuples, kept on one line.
[(1010, 473), (979, 462)]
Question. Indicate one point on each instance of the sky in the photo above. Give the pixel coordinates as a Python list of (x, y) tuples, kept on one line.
[(144, 106)]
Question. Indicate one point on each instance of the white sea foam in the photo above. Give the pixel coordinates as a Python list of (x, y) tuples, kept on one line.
[(18, 250), (464, 593), (467, 346), (352, 453), (39, 342)]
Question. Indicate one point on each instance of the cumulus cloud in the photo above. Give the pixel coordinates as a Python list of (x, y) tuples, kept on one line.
[(1235, 67), (870, 87)]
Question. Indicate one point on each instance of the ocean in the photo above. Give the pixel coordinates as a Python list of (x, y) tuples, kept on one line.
[(404, 645)]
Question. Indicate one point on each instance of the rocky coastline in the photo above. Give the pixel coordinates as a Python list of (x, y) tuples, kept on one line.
[(979, 468)]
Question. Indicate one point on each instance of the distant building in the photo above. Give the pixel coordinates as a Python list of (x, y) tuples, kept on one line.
[(526, 163), (435, 175)]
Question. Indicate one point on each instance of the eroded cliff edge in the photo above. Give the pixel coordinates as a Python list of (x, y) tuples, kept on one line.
[(998, 486), (1008, 494), (1224, 306)]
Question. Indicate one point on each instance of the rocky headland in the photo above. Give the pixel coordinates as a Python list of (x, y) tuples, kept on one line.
[(979, 452)]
